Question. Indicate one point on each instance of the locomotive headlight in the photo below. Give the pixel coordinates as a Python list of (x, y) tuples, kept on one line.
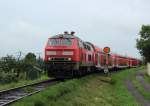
[(50, 52), (69, 59), (67, 52), (49, 58)]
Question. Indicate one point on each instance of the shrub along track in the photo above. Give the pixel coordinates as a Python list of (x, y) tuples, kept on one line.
[(134, 91), (12, 95)]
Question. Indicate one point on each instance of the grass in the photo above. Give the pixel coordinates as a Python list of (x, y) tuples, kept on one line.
[(122, 95), (21, 83), (140, 88), (92, 90), (146, 77)]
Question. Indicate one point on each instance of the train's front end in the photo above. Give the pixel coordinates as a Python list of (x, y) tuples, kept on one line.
[(62, 55)]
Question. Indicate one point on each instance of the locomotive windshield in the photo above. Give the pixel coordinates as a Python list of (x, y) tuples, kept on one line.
[(60, 42)]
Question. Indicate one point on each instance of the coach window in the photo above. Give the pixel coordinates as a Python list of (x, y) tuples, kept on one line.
[(85, 57), (89, 57), (84, 45), (81, 44), (96, 55), (88, 47), (91, 48)]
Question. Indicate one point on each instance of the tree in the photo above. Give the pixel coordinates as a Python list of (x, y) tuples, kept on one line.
[(143, 43), (8, 63), (30, 58), (9, 70)]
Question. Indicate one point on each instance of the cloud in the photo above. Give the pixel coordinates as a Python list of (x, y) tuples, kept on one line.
[(25, 25)]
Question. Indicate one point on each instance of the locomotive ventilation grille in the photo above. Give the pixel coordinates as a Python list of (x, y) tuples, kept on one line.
[(60, 59)]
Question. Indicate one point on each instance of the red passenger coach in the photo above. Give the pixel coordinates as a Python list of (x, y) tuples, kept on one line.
[(67, 56), (134, 62), (122, 61)]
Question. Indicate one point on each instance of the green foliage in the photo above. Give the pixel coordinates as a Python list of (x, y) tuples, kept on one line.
[(143, 44), (7, 63), (12, 69), (8, 77), (8, 67), (30, 58), (39, 103), (40, 63), (147, 78)]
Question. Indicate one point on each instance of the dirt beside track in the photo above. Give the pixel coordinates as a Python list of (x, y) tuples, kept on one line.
[(139, 97)]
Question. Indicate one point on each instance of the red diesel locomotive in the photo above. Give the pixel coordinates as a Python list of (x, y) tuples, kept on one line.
[(67, 56)]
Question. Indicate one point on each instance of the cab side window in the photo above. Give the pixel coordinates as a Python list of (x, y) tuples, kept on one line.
[(81, 44), (84, 45), (88, 47), (89, 58)]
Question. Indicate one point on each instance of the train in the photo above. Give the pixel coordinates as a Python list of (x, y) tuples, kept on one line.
[(67, 56)]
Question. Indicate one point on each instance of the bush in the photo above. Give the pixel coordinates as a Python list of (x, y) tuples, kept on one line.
[(13, 69), (8, 77)]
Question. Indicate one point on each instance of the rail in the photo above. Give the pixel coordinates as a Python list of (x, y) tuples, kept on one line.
[(12, 95)]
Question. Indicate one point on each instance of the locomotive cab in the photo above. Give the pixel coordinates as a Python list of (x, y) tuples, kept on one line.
[(62, 55), (61, 49)]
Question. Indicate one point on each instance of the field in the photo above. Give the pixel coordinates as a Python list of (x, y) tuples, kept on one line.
[(92, 90)]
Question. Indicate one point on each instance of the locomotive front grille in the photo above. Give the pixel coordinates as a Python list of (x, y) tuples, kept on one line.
[(59, 59)]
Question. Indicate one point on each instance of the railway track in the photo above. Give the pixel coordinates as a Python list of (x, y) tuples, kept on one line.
[(10, 96)]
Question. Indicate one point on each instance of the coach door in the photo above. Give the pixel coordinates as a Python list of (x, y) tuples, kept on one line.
[(99, 64), (82, 52), (97, 59)]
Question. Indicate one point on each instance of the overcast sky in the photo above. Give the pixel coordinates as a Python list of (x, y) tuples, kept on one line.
[(25, 25)]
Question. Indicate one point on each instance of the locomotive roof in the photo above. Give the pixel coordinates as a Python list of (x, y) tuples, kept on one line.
[(65, 36)]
